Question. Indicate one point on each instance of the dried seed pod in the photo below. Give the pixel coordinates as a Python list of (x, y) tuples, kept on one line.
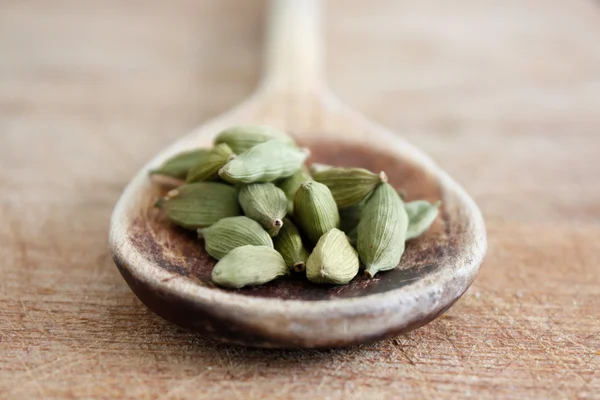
[(315, 211), (264, 203), (179, 165), (207, 169), (249, 265), (289, 244), (243, 137), (198, 205), (421, 214), (333, 260), (291, 184), (349, 186), (230, 233), (382, 230), (264, 162)]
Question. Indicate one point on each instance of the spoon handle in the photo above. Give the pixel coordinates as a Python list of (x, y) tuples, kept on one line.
[(294, 50)]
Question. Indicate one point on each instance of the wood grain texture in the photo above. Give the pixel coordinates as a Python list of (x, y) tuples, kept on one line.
[(504, 95)]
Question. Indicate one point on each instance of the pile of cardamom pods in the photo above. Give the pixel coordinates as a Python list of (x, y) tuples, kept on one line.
[(263, 214)]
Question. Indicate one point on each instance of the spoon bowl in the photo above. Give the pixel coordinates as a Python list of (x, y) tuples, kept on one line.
[(168, 269)]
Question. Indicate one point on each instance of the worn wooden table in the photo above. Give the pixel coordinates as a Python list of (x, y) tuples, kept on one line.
[(503, 94)]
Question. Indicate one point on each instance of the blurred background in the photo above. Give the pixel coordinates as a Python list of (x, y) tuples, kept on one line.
[(504, 95), (462, 80)]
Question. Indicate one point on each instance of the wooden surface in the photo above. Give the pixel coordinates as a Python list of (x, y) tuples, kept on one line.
[(503, 94)]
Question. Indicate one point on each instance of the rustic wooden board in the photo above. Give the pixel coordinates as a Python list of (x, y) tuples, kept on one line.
[(503, 94)]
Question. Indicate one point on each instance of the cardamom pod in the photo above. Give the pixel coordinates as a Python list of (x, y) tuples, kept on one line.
[(229, 233), (291, 184), (315, 211), (349, 186), (333, 260), (243, 137), (264, 203), (207, 169), (421, 214), (382, 230), (349, 219), (264, 162), (289, 244), (248, 265), (179, 165), (198, 205)]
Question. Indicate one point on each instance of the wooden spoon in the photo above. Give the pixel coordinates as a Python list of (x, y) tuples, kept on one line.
[(169, 271)]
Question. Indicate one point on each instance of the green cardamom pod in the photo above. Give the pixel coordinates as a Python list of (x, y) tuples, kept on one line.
[(243, 137), (291, 184), (349, 186), (264, 203), (289, 244), (315, 211), (333, 260), (207, 169), (264, 162), (229, 233), (382, 230), (349, 219), (179, 165), (249, 265), (198, 205), (421, 215)]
